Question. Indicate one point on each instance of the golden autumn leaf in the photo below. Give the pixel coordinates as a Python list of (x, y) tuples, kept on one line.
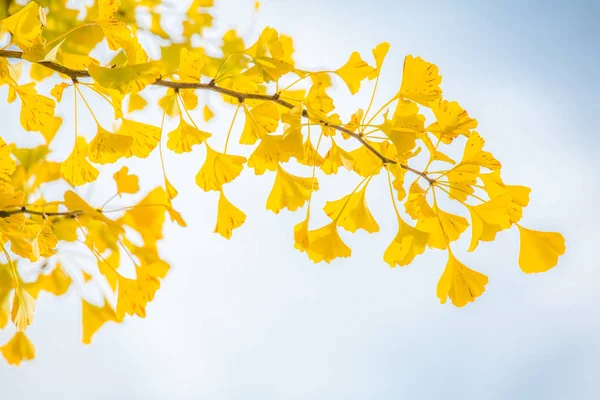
[(408, 243), (310, 155), (260, 120), (539, 251), (23, 309), (325, 244), (365, 161), (352, 213), (207, 113), (18, 349), (25, 25), (76, 169), (56, 283), (136, 103), (416, 205), (443, 228), (130, 298), (190, 65), (144, 137), (108, 147), (420, 81), (127, 79), (126, 183), (452, 120), (489, 218), (182, 138), (336, 157), (462, 284), (379, 53), (270, 152), (94, 317), (354, 71), (290, 191), (229, 217), (37, 111), (218, 169)]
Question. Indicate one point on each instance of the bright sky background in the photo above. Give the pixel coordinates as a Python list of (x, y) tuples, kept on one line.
[(252, 318)]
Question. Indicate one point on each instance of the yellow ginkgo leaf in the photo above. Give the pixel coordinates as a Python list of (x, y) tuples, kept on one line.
[(405, 126), (336, 157), (136, 102), (452, 120), (355, 120), (126, 183), (442, 228), (317, 100), (291, 143), (408, 243), (290, 191), (23, 309), (462, 284), (7, 164), (57, 283), (25, 25), (182, 138), (325, 244), (229, 217), (118, 36), (311, 156), (144, 137), (207, 113), (420, 81), (474, 154), (398, 183), (190, 65), (379, 53), (268, 154), (494, 186), (354, 71), (108, 147), (260, 120), (93, 317), (489, 218), (352, 212), (127, 79), (539, 251), (37, 111), (18, 349), (76, 169), (58, 89), (416, 205), (130, 298), (218, 169), (365, 161), (149, 215)]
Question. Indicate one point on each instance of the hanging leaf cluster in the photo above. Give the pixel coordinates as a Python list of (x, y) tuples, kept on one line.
[(290, 124)]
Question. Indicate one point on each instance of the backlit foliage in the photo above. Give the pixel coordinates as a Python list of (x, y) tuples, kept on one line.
[(289, 120)]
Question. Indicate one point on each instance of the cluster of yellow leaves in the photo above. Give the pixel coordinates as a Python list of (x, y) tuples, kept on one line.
[(277, 126)]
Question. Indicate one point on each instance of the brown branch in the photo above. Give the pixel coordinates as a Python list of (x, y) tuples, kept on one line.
[(240, 96), (25, 210)]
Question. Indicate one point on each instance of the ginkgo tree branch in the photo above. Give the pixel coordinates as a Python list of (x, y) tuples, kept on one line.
[(240, 96), (25, 210)]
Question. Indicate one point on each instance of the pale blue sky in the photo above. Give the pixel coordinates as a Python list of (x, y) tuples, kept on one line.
[(252, 318)]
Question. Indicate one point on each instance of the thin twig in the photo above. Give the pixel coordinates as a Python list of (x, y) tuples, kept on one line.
[(25, 210)]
